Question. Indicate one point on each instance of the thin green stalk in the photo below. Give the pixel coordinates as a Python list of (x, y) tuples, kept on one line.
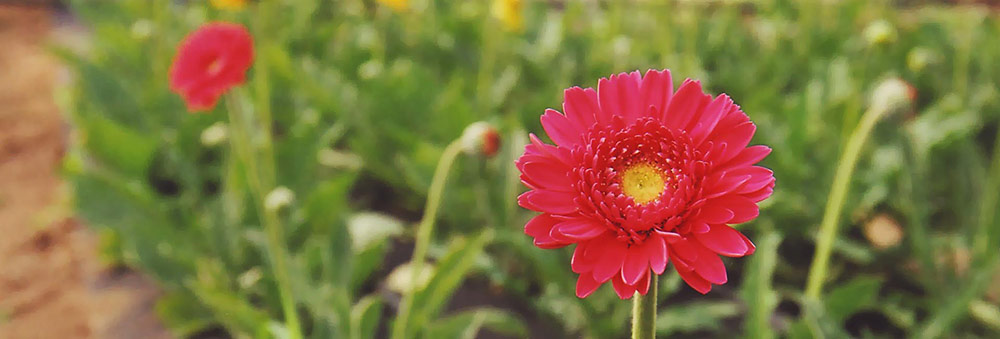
[(835, 203), (424, 231), (261, 184), (984, 240), (644, 312)]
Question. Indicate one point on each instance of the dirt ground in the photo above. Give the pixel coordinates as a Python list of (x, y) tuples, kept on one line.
[(51, 284)]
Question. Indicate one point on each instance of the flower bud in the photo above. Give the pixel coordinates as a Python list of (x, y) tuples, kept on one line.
[(214, 135), (229, 5), (142, 29), (892, 94), (279, 198), (920, 57), (879, 32), (481, 138)]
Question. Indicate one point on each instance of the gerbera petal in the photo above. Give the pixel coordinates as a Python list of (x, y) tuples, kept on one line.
[(724, 240), (541, 148), (685, 104), (736, 139), (715, 214), (623, 290), (656, 90), (610, 262), (563, 132), (581, 106), (579, 229), (548, 174), (703, 125), (643, 285), (684, 250), (636, 265), (761, 194), (585, 285), (710, 267), (743, 208), (555, 202), (759, 178), (581, 263), (618, 95), (746, 157), (540, 228), (695, 281), (656, 250)]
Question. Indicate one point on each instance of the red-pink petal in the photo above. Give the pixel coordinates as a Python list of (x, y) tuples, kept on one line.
[(736, 139), (703, 125), (548, 174), (581, 263), (695, 281), (579, 229), (581, 106), (710, 267), (555, 202), (585, 285), (685, 104), (656, 250), (643, 285), (656, 90), (715, 214), (636, 265), (560, 129), (612, 255), (539, 228), (724, 240), (743, 208), (748, 156), (623, 290)]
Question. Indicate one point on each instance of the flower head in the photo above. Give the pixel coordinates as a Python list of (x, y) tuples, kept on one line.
[(210, 61), (481, 138), (229, 5), (396, 5), (641, 175), (509, 13)]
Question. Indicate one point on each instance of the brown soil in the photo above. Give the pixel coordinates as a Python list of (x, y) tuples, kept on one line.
[(51, 284)]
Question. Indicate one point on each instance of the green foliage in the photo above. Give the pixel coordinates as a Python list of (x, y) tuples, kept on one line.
[(364, 99)]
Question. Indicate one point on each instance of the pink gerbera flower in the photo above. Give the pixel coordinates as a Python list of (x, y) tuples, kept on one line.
[(639, 175), (209, 62)]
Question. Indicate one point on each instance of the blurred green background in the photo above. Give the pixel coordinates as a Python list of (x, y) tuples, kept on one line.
[(365, 95)]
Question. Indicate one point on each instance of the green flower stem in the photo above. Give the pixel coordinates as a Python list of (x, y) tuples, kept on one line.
[(424, 231), (644, 311), (835, 203), (261, 183)]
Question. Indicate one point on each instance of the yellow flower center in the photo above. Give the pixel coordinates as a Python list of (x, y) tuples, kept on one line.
[(643, 182)]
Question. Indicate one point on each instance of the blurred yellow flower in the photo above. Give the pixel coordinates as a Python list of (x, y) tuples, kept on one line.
[(229, 5), (396, 5), (509, 13)]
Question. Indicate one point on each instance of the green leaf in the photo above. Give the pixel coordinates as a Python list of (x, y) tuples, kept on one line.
[(234, 311), (852, 296), (467, 324), (757, 289), (701, 315), (365, 317), (183, 314), (449, 273), (986, 313), (125, 150)]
